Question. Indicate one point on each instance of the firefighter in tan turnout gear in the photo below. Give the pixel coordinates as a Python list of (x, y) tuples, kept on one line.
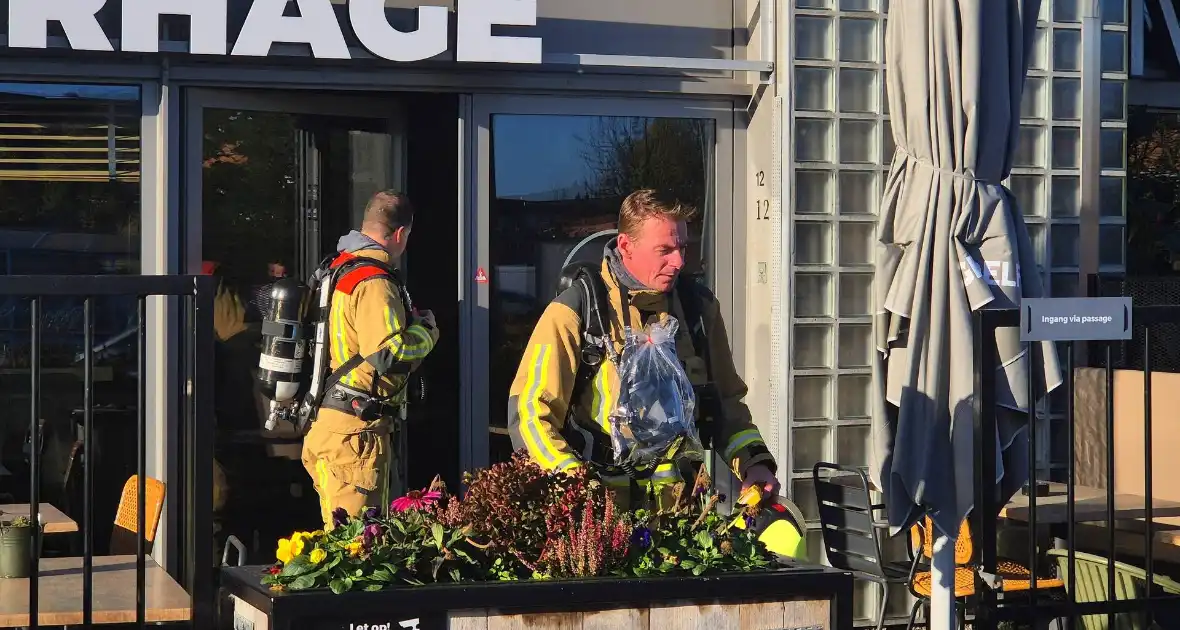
[(375, 341), (565, 389)]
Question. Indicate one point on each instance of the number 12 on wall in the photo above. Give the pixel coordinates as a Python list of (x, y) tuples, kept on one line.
[(761, 206), (762, 209)]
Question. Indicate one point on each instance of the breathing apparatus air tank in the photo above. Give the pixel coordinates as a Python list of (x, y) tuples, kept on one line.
[(284, 348)]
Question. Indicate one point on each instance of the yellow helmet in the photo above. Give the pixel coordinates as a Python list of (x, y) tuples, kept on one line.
[(780, 525)]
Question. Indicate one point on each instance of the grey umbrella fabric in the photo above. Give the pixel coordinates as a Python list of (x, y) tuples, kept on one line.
[(951, 241)]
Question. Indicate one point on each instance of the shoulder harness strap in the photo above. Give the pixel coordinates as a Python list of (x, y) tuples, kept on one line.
[(594, 311), (692, 302)]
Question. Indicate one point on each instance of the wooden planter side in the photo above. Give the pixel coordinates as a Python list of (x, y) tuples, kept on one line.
[(793, 614)]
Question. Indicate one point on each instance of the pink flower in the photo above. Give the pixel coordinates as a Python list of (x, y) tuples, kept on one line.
[(414, 500)]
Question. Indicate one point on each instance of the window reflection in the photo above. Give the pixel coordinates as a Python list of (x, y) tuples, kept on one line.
[(278, 190), (69, 204), (559, 179)]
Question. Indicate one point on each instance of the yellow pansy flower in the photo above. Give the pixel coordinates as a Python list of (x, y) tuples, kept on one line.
[(354, 548), (283, 553), (290, 547), (317, 555), (297, 543)]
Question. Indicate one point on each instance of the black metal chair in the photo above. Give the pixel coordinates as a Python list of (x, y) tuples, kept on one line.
[(850, 536)]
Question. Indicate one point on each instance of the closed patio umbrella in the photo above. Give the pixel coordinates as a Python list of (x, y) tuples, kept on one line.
[(952, 241)]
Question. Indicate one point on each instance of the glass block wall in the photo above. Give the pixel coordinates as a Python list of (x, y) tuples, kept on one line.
[(1112, 181), (842, 148)]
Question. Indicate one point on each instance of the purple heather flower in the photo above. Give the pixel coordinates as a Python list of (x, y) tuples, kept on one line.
[(339, 517), (641, 537)]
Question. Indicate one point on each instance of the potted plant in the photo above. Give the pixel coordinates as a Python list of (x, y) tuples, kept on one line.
[(517, 522), (16, 539), (523, 546)]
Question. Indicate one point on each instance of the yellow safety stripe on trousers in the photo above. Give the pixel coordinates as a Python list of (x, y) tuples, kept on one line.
[(384, 481), (601, 401), (536, 438), (741, 440), (665, 473), (321, 471)]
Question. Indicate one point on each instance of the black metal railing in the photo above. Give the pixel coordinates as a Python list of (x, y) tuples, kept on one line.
[(1145, 291), (1038, 605), (195, 295)]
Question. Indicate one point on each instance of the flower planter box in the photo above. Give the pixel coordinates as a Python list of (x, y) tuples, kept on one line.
[(791, 598)]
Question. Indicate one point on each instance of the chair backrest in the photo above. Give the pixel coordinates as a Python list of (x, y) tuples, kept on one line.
[(1091, 586), (846, 516), (123, 538), (921, 539)]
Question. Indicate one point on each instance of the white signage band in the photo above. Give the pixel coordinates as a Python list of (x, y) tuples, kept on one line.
[(265, 25)]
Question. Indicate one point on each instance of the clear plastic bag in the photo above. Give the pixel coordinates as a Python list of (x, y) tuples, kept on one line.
[(655, 419)]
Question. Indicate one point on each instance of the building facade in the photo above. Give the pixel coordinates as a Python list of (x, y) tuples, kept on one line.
[(140, 136)]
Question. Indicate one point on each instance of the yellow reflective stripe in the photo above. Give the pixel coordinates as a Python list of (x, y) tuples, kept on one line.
[(401, 350), (395, 343), (741, 440), (421, 348), (389, 321), (602, 400), (665, 472), (340, 337), (321, 471), (536, 438)]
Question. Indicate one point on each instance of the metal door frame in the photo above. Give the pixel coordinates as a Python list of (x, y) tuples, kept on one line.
[(725, 269), (196, 100)]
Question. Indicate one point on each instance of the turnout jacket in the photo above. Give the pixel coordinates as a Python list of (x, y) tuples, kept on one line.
[(371, 318), (539, 406)]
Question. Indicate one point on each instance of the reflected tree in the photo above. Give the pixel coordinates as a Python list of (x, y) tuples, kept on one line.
[(248, 198), (672, 154), (1153, 194), (624, 154)]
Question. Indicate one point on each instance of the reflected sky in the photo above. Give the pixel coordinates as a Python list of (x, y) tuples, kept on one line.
[(540, 157), (57, 90)]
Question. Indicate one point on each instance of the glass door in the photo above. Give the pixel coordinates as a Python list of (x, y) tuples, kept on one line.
[(273, 180), (552, 172)]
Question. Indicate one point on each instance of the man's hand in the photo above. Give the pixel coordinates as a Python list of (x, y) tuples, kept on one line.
[(759, 475), (427, 317)]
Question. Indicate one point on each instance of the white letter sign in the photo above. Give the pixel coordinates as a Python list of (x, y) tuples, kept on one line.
[(373, 29), (141, 24), (28, 23), (476, 42), (313, 23), (316, 25)]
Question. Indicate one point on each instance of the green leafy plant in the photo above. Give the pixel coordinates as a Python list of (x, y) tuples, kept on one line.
[(691, 537), (371, 552), (16, 523)]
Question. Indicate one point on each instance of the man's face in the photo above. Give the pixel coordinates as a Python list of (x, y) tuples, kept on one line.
[(655, 255)]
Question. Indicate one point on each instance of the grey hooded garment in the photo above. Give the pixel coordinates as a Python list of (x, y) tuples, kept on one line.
[(952, 241)]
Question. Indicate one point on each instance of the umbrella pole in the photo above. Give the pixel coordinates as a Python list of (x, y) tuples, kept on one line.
[(942, 584)]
